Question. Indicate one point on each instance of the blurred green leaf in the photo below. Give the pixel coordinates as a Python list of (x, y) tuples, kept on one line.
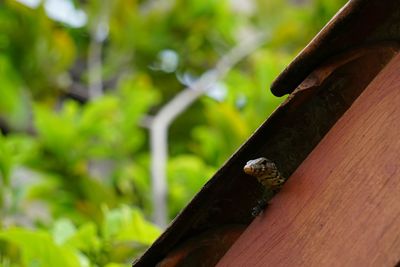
[(186, 175), (44, 252), (126, 224), (5, 161), (85, 238)]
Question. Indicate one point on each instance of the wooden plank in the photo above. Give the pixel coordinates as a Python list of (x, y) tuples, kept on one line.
[(296, 127), (341, 207), (359, 22)]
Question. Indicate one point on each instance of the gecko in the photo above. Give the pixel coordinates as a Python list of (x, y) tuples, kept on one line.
[(268, 176)]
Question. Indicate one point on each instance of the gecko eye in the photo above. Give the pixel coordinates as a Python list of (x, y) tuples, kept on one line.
[(264, 161)]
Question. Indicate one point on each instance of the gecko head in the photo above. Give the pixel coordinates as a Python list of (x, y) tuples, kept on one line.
[(258, 167)]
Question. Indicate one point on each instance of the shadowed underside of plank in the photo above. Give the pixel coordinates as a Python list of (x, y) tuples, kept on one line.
[(341, 207)]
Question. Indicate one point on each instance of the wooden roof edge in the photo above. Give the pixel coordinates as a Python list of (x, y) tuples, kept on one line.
[(355, 24), (286, 137), (340, 207)]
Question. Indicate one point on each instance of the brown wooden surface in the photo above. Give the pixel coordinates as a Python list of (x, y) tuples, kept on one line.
[(206, 249), (341, 207), (286, 137), (358, 23)]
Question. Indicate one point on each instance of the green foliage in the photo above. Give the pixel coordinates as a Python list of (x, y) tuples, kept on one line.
[(38, 249), (186, 175), (120, 235), (74, 172)]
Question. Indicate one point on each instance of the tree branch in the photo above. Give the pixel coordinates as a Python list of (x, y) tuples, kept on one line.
[(159, 124), (98, 33)]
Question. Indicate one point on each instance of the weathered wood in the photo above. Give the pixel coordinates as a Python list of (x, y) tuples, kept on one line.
[(341, 207), (358, 23), (286, 137)]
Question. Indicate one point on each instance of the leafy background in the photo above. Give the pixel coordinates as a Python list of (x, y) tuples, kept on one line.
[(74, 165)]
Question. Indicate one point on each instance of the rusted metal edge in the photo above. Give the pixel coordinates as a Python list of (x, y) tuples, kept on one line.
[(358, 22), (286, 137)]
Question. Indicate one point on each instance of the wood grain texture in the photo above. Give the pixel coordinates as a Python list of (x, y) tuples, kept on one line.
[(286, 137), (341, 207)]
